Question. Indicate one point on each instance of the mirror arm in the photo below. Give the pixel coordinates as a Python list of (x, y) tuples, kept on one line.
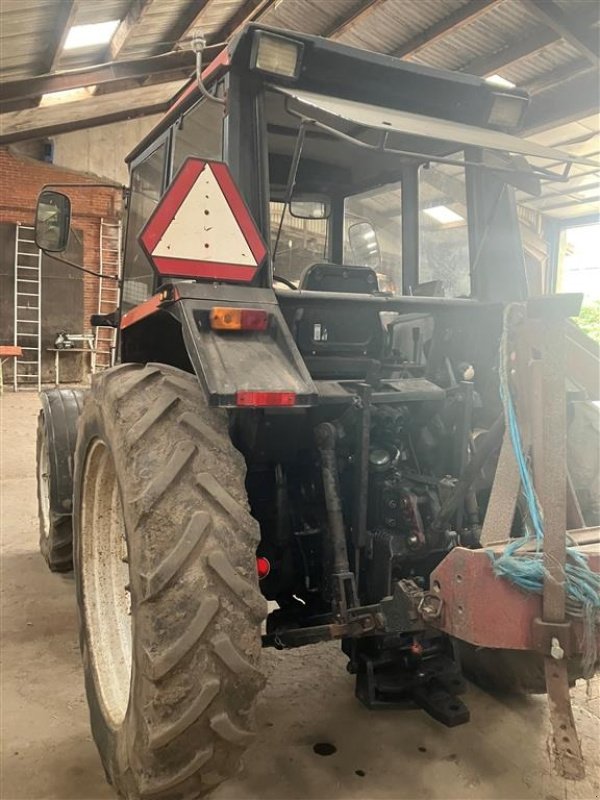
[(121, 187), (79, 267)]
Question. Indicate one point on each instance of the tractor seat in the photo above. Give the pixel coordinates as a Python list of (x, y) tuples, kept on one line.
[(336, 278), (324, 332)]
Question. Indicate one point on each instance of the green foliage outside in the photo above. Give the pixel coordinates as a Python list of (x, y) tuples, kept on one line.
[(589, 319)]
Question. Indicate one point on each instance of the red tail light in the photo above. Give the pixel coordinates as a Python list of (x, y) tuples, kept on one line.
[(263, 567), (255, 399)]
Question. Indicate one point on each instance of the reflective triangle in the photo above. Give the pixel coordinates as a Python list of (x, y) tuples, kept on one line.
[(204, 227)]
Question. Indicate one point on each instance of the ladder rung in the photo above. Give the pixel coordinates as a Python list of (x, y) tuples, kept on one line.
[(24, 266), (29, 322), (26, 280), (35, 349), (28, 294), (28, 362)]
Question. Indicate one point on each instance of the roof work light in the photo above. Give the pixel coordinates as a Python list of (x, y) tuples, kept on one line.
[(507, 110), (276, 55)]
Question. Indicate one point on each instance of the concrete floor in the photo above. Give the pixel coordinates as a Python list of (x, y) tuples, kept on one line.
[(47, 750)]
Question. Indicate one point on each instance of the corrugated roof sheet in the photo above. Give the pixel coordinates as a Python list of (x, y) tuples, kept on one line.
[(308, 16)]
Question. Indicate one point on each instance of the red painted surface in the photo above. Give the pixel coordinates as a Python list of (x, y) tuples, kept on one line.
[(10, 351), (485, 610), (144, 309), (216, 65), (195, 269)]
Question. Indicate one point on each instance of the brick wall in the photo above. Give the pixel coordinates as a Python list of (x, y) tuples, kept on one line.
[(21, 180)]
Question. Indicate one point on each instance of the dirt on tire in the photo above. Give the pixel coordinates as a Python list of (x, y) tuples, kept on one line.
[(195, 604)]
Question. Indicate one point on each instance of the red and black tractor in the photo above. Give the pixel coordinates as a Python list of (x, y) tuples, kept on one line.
[(332, 386)]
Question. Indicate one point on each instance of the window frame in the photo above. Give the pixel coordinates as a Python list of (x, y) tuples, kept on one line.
[(164, 139), (177, 125)]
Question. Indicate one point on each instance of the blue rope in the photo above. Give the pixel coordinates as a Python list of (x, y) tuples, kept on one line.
[(527, 571)]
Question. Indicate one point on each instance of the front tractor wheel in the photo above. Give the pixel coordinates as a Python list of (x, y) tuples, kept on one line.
[(167, 589)]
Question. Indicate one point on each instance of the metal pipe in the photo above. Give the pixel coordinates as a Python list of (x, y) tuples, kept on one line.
[(326, 436)]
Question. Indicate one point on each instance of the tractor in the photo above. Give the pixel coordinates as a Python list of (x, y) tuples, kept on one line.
[(327, 341)]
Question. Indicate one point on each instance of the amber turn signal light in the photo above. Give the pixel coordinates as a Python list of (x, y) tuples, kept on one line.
[(238, 319)]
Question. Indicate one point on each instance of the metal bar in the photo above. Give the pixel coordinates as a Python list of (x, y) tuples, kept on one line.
[(551, 485), (361, 484), (410, 228)]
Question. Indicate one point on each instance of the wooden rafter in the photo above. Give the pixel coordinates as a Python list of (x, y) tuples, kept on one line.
[(567, 27), (74, 122), (462, 16), (65, 14), (555, 77), (489, 64), (348, 21), (573, 99), (111, 75), (134, 16), (249, 12), (187, 22)]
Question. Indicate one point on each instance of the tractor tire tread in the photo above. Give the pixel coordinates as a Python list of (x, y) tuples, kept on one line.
[(196, 591)]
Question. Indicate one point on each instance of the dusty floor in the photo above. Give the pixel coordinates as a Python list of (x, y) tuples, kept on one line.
[(47, 750)]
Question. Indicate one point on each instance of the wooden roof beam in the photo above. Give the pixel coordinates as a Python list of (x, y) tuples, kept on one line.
[(111, 74), (249, 12), (462, 16), (555, 77), (78, 121), (567, 27), (490, 64), (348, 21), (187, 22), (65, 14), (572, 100), (134, 16)]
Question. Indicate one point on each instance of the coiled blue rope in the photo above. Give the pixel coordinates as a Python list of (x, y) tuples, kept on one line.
[(527, 571)]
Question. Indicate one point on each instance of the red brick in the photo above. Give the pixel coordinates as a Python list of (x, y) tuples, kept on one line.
[(21, 180)]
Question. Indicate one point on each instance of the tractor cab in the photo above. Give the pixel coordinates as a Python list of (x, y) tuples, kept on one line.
[(366, 176)]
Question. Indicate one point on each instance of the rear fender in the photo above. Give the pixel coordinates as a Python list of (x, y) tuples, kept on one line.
[(230, 361), (226, 362)]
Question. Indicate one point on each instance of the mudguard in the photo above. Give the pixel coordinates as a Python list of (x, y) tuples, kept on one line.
[(229, 362)]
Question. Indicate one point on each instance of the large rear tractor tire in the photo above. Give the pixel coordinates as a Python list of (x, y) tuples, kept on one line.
[(165, 564), (56, 436)]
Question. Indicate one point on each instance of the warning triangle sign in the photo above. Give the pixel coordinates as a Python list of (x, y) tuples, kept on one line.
[(202, 228)]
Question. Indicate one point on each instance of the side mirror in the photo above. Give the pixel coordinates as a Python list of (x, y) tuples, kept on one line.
[(52, 221), (364, 244)]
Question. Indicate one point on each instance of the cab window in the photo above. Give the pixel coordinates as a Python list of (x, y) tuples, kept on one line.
[(373, 233), (145, 192), (200, 133), (296, 242), (444, 245)]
